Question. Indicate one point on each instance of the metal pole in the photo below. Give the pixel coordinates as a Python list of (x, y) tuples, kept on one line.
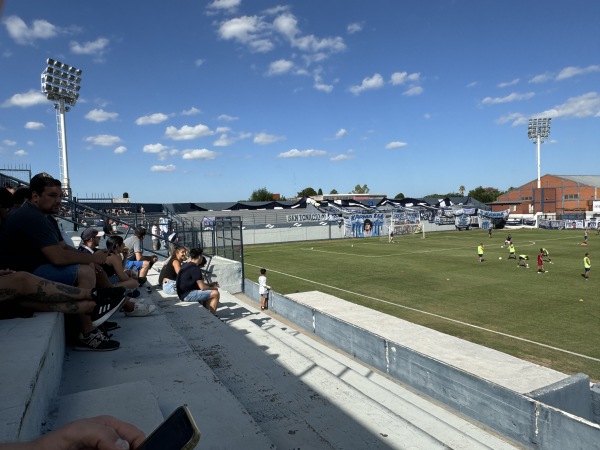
[(63, 136), (539, 145)]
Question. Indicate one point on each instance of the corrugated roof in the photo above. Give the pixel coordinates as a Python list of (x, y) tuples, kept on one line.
[(588, 180)]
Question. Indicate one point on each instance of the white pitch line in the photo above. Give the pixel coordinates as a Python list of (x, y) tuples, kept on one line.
[(438, 316)]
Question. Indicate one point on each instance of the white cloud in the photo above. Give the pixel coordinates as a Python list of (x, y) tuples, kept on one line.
[(190, 112), (280, 67), (569, 72), (151, 119), (354, 28), (399, 78), (227, 118), (105, 140), (168, 168), (341, 133), (295, 153), (29, 98), (514, 97), (21, 153), (516, 119), (225, 140), (97, 47), (368, 83), (265, 139), (243, 29), (99, 115), (120, 149), (586, 105), (154, 148), (541, 78), (199, 154), (319, 85), (34, 125), (23, 34), (415, 90), (427, 116), (186, 132), (224, 4), (343, 157), (395, 144), (472, 84), (198, 62), (9, 142), (509, 83)]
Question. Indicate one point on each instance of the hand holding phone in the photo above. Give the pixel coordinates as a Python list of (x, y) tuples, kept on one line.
[(177, 432)]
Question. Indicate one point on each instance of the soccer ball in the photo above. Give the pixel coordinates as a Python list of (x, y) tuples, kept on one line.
[(499, 257), (502, 246)]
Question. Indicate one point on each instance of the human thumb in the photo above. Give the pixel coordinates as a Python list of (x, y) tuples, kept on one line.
[(122, 444)]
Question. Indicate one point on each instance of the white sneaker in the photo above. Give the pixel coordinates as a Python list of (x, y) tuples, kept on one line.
[(141, 310)]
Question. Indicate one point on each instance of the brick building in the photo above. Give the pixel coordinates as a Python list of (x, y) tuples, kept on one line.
[(559, 194)]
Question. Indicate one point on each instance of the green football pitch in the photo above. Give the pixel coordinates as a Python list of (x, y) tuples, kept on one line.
[(552, 318)]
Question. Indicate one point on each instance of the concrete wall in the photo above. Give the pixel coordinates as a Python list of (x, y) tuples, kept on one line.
[(545, 420)]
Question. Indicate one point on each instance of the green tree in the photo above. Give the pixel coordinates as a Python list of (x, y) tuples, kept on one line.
[(308, 192), (358, 189), (485, 195), (333, 191), (261, 195), (320, 191), (461, 190), (399, 196)]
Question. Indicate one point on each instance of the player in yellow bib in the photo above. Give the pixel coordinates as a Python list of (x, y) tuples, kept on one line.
[(480, 252), (587, 265)]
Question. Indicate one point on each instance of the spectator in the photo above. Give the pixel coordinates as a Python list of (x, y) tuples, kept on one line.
[(263, 289), (31, 241), (119, 276), (155, 231), (190, 283), (6, 203), (170, 269), (164, 229), (110, 227), (21, 194), (39, 294), (136, 258)]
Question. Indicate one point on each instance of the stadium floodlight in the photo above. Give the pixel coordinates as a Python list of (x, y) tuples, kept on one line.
[(538, 130), (60, 85)]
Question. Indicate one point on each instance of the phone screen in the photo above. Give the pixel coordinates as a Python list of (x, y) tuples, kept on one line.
[(177, 432)]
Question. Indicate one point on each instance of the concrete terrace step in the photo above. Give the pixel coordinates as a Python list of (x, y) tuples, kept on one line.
[(153, 351), (305, 395), (30, 370)]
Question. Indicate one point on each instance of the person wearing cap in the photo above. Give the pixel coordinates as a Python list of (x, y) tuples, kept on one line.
[(31, 241), (136, 258), (90, 240)]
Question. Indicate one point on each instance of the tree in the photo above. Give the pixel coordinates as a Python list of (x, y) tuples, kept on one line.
[(261, 195), (125, 195), (358, 189), (461, 190), (320, 191), (333, 192), (399, 196), (485, 195), (308, 192)]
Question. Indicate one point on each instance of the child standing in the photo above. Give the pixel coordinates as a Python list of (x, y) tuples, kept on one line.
[(541, 261), (263, 289)]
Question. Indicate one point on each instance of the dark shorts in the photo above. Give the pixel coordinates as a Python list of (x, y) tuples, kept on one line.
[(60, 274), (587, 269)]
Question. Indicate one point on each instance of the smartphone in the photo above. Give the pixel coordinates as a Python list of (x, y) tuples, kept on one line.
[(177, 432)]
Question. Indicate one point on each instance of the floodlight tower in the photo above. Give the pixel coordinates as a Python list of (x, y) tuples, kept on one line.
[(61, 84), (537, 131)]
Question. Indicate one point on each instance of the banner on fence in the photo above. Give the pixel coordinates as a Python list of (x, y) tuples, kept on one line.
[(364, 225)]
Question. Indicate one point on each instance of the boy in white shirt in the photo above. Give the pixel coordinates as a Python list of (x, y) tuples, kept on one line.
[(263, 289)]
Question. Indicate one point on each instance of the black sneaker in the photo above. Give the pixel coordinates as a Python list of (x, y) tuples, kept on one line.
[(103, 311), (95, 341), (134, 294), (107, 295), (142, 281)]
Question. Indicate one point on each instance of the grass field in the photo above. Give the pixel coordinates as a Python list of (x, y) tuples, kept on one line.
[(552, 319)]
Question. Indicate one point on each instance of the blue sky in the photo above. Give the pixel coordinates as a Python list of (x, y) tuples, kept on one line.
[(210, 100)]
